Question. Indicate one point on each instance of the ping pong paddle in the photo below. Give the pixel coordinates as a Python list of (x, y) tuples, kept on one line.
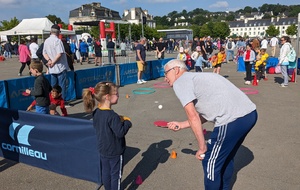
[(25, 94), (161, 123)]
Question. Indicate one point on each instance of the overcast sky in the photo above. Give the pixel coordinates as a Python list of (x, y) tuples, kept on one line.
[(40, 8)]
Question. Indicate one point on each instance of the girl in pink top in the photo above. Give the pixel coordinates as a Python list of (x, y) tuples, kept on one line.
[(24, 56)]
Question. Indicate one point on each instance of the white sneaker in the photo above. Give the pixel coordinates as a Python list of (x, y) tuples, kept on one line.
[(143, 81), (19, 74), (247, 82), (283, 85), (139, 82)]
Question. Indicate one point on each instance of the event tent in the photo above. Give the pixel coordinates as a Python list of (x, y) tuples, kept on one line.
[(33, 26)]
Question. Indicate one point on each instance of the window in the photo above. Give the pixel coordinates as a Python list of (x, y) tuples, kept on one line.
[(249, 24), (264, 24), (258, 28), (253, 33)]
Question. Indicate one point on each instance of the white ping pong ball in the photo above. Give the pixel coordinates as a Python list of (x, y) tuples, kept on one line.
[(160, 106)]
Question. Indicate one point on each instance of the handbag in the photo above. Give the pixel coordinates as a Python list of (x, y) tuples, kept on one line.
[(277, 69)]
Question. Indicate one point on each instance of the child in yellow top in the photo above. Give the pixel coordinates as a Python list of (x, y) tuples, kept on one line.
[(260, 65), (221, 58)]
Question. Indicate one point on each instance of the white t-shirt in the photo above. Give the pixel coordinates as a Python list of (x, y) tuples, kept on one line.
[(264, 44), (215, 98), (33, 47), (273, 41)]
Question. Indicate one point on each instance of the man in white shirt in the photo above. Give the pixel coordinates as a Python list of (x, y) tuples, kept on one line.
[(264, 43), (33, 47), (230, 45), (273, 44)]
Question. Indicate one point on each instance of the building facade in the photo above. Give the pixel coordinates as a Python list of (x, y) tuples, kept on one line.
[(257, 28), (91, 14), (135, 16)]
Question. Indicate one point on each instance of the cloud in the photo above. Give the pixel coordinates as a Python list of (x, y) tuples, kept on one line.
[(7, 2), (219, 4)]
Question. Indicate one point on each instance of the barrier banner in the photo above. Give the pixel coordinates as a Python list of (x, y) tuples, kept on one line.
[(241, 65), (63, 145), (90, 77), (3, 96), (158, 67), (15, 87), (128, 73), (70, 93)]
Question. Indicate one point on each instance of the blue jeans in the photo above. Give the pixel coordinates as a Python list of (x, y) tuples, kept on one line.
[(110, 55), (61, 80), (7, 54), (42, 109), (229, 54)]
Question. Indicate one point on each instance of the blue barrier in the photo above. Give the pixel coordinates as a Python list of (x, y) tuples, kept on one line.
[(158, 68), (128, 73), (70, 93), (3, 95), (17, 86), (90, 77), (63, 145), (12, 89)]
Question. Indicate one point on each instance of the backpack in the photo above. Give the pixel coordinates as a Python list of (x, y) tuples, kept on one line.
[(291, 55), (229, 45)]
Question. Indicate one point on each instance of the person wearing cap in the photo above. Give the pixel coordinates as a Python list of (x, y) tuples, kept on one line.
[(210, 97), (54, 53)]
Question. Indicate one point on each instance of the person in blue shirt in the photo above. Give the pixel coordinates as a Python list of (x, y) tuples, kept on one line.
[(199, 63), (83, 49)]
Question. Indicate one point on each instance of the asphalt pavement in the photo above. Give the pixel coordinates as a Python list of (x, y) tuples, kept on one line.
[(267, 160)]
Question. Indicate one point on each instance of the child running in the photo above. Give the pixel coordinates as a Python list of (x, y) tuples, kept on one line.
[(110, 130), (199, 63), (56, 99), (221, 58), (41, 89)]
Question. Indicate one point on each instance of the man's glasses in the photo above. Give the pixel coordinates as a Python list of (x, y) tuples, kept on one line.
[(166, 72)]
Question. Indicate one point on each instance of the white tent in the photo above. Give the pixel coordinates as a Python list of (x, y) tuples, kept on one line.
[(33, 26)]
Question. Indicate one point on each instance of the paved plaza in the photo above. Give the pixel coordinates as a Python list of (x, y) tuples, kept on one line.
[(267, 160)]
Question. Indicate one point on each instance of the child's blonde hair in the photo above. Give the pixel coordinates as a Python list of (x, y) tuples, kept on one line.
[(98, 92)]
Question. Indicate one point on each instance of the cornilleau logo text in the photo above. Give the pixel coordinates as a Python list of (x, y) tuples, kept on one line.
[(22, 138)]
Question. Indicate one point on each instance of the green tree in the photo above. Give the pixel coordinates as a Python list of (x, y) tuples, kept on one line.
[(94, 31), (220, 29), (196, 30), (247, 9), (291, 30), (205, 31), (7, 25), (272, 31), (57, 20)]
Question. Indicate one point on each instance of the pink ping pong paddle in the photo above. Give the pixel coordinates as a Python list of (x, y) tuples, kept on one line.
[(161, 123), (25, 94)]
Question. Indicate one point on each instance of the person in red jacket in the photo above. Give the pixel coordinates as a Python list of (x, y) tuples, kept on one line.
[(56, 99)]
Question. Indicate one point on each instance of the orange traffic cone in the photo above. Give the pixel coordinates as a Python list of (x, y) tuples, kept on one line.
[(254, 82), (173, 154), (293, 77), (138, 180), (127, 96)]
